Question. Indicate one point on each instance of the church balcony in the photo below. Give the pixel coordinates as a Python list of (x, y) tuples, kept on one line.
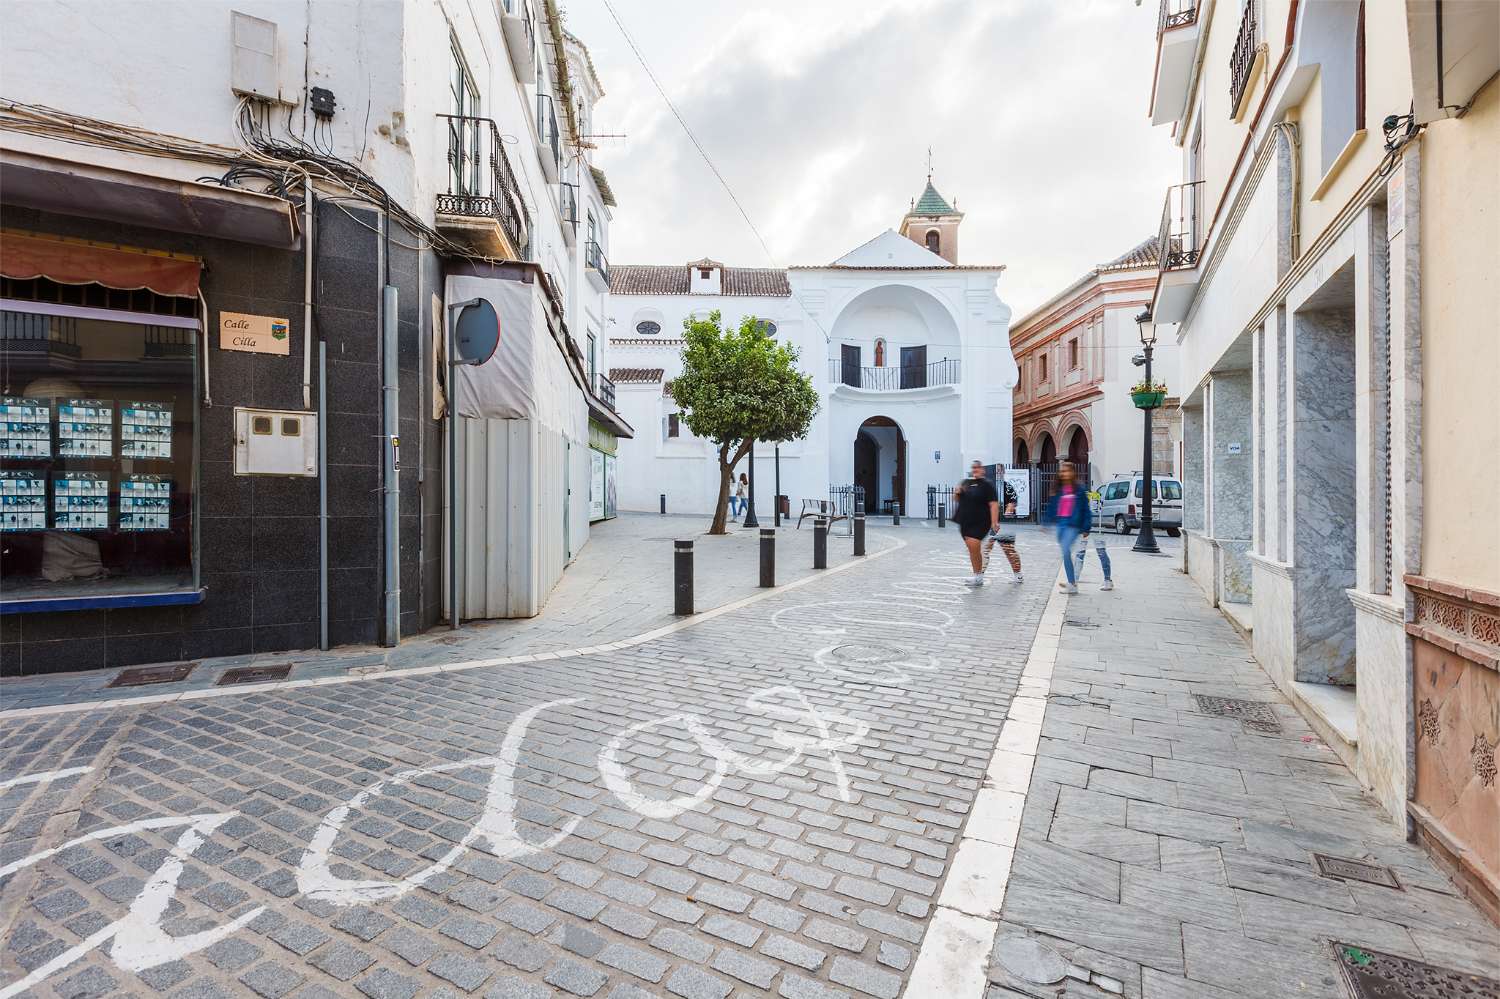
[(1177, 34), (895, 378), (482, 207)]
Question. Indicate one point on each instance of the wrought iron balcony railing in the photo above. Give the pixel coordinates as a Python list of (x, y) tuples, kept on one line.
[(568, 203), (546, 127), (481, 182), (1176, 14), (604, 389), (889, 379), (1181, 235), (1242, 59), (593, 255)]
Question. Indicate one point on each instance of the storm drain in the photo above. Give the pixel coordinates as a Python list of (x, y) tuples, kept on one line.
[(142, 676), (254, 674), (1355, 870), (1256, 715), (867, 654), (1372, 974)]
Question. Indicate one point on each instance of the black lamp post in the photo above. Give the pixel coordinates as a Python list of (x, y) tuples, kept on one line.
[(1146, 539), (750, 520), (776, 500)]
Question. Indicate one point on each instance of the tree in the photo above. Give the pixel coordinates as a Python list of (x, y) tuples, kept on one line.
[(739, 386)]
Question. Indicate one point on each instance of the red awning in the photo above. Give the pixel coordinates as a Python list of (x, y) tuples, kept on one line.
[(71, 261)]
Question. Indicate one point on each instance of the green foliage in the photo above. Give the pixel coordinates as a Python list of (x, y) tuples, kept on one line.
[(740, 384)]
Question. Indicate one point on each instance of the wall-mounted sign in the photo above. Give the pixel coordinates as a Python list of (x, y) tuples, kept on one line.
[(937, 456), (257, 334), (1236, 448)]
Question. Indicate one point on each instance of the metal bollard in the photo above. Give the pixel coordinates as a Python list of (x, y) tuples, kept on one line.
[(682, 554), (895, 514), (767, 556), (820, 544), (859, 534), (942, 515), (663, 504)]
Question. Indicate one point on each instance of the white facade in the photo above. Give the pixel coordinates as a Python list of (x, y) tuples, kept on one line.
[(909, 353)]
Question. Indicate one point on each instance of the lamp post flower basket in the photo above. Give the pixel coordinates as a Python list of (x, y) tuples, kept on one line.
[(1148, 395)]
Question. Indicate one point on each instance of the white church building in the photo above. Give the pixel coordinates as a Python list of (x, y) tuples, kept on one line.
[(908, 348)]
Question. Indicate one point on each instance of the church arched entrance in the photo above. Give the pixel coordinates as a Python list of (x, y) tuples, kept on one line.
[(880, 463)]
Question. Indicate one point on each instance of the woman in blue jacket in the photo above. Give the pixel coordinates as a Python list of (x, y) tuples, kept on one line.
[(1070, 510)]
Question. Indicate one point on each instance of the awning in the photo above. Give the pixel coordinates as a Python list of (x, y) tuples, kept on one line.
[(25, 255)]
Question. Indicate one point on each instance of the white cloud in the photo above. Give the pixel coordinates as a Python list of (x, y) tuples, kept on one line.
[(819, 113)]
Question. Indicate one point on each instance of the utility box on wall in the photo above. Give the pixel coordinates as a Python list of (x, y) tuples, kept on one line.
[(275, 442)]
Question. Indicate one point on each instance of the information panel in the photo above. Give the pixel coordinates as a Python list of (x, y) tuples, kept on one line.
[(23, 501), (145, 503), (80, 501), (145, 430), (85, 428), (25, 427)]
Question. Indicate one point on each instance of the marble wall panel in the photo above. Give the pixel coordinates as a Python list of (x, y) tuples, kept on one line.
[(1192, 468), (1202, 559), (1272, 598), (1231, 455), (1235, 583), (1383, 706)]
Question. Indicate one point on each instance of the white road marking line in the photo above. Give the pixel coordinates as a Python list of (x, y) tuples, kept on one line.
[(43, 778)]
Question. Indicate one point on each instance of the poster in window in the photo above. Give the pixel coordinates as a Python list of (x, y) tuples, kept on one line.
[(23, 501), (610, 461), (596, 485), (85, 428), (1020, 480), (80, 501), (145, 503), (25, 427), (145, 430)]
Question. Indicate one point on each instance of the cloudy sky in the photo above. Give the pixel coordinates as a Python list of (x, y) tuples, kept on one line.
[(819, 114)]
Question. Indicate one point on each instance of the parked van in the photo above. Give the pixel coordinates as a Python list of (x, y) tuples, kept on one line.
[(1119, 504)]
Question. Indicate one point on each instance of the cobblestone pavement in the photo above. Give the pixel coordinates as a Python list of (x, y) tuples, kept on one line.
[(765, 802), (1168, 853), (619, 586)]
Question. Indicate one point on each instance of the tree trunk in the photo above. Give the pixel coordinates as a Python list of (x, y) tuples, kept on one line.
[(726, 479)]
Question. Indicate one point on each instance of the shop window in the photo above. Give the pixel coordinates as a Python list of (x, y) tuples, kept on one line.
[(97, 441)]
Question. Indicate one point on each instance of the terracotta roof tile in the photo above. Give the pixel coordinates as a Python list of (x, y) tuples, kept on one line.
[(1145, 254), (673, 279), (628, 376)]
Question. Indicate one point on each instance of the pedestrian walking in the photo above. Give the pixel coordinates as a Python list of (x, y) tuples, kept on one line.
[(737, 503), (1069, 509), (976, 509), (1007, 542), (1095, 505)]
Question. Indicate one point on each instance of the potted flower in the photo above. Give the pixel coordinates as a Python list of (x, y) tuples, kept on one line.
[(1148, 395)]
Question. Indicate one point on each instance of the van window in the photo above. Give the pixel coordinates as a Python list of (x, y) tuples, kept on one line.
[(1171, 489), (1138, 483), (1117, 490)]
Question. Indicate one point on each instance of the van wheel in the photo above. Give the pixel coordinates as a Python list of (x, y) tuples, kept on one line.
[(1120, 527), (1173, 532)]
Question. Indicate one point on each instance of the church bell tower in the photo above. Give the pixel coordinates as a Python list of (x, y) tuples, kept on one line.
[(933, 223)]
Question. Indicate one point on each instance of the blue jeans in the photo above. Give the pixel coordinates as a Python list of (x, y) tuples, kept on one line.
[(1067, 536), (734, 506), (1083, 550)]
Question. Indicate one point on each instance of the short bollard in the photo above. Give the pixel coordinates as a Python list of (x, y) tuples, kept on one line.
[(683, 586), (664, 504), (895, 514), (859, 534), (820, 544), (942, 515), (767, 556)]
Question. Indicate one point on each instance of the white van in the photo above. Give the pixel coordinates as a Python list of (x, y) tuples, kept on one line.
[(1119, 504)]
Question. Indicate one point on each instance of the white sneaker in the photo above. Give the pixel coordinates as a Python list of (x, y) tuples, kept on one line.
[(1070, 588), (974, 581), (1019, 579), (1108, 585)]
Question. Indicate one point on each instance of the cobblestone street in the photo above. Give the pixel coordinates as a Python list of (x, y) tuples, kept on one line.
[(814, 792)]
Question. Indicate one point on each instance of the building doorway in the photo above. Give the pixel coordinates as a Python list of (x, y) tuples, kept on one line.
[(1078, 447), (1047, 451), (1023, 455), (880, 463)]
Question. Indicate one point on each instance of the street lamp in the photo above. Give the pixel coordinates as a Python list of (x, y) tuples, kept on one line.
[(1146, 539)]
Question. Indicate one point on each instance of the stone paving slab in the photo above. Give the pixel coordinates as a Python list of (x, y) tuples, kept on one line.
[(1167, 854), (766, 802)]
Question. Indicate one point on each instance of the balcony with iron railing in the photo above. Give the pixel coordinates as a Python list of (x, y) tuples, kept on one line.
[(567, 208), (518, 22), (1242, 61), (895, 378), (1181, 239), (1177, 35), (604, 389), (482, 207), (598, 264), (549, 140)]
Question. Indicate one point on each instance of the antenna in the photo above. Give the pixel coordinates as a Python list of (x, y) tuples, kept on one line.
[(929, 164)]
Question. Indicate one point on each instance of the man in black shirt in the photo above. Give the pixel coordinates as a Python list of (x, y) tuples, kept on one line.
[(976, 510)]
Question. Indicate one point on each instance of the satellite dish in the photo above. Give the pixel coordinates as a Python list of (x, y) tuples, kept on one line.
[(476, 332)]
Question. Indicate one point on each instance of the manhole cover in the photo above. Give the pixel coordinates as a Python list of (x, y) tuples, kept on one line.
[(1355, 870), (1255, 715), (144, 675), (1079, 622), (254, 674), (865, 653), (1371, 974), (1030, 960)]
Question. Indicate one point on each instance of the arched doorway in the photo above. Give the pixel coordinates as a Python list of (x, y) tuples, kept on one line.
[(1022, 455), (1047, 451), (880, 462), (1078, 447)]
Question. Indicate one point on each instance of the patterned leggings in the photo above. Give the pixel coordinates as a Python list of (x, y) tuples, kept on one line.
[(1008, 546)]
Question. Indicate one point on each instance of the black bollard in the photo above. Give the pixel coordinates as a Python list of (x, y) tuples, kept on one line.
[(683, 559), (895, 514), (767, 556), (664, 504), (859, 534), (942, 515), (820, 544)]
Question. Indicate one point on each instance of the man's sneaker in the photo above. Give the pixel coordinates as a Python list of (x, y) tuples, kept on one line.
[(1108, 585), (1070, 588)]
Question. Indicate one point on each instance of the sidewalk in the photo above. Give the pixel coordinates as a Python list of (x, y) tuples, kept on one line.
[(1166, 850)]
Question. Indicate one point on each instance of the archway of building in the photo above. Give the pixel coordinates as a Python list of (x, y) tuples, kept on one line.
[(1078, 446), (1046, 450), (880, 462), (1021, 454)]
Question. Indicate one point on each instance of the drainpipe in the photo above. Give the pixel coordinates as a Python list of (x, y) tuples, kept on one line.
[(390, 430), (307, 284)]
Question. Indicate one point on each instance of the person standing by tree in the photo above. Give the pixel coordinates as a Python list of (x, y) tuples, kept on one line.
[(977, 512), (740, 385)]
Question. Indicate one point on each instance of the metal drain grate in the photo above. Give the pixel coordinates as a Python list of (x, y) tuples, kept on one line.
[(1355, 870), (1372, 974), (867, 654), (254, 674), (1255, 715), (142, 676)]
